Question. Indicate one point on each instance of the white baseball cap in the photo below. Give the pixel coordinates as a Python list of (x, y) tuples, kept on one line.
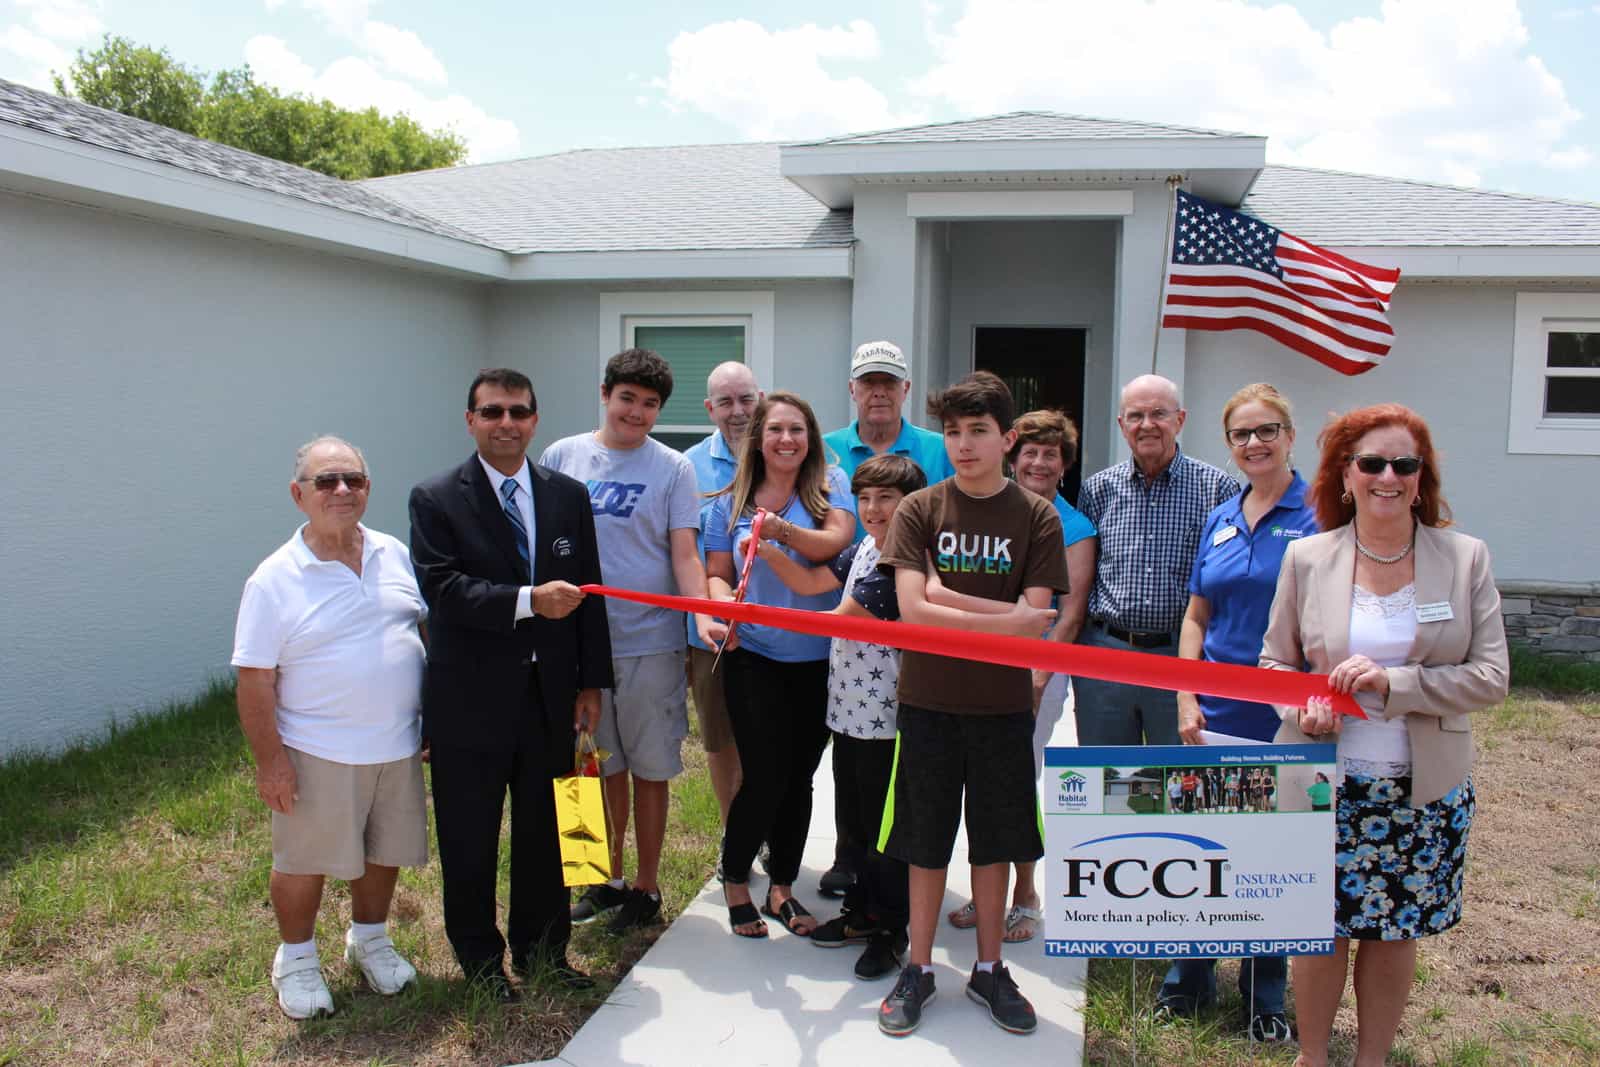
[(879, 357)]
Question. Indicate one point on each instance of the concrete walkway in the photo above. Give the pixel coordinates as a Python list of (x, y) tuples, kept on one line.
[(702, 996)]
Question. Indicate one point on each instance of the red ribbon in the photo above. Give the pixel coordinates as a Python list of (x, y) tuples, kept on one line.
[(1291, 688)]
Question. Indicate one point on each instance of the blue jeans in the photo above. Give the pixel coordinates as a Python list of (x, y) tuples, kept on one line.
[(1110, 713), (1192, 984)]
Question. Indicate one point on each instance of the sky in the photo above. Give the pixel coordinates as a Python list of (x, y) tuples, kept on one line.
[(1487, 93)]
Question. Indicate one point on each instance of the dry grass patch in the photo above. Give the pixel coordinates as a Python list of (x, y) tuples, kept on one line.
[(135, 926)]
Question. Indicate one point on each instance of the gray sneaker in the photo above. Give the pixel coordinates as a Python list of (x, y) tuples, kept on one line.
[(596, 900), (997, 991), (901, 1011)]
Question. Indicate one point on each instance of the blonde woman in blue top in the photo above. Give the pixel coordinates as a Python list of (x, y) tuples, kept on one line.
[(1231, 586)]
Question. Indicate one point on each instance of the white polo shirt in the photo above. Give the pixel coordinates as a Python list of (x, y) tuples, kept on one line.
[(346, 648)]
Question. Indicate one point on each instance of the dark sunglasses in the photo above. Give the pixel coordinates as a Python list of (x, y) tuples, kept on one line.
[(328, 481), (1404, 466), (494, 412), (1267, 431)]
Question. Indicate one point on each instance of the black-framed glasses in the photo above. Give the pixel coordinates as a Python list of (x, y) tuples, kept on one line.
[(328, 481), (496, 412), (1371, 463), (1265, 433)]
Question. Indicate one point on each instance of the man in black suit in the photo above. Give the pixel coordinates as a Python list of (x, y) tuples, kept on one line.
[(517, 656)]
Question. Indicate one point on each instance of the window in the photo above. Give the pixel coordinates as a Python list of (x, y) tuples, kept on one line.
[(693, 331), (1555, 375)]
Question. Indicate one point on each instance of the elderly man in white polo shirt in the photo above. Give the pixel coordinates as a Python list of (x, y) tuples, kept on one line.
[(330, 659)]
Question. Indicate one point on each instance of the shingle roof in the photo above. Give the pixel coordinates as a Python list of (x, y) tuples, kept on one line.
[(1331, 207), (626, 199), (37, 110), (1023, 126)]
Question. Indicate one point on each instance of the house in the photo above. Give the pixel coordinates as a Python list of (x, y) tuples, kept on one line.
[(179, 315)]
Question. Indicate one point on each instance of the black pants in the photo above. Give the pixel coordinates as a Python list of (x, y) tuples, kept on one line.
[(778, 714), (469, 792), (862, 771)]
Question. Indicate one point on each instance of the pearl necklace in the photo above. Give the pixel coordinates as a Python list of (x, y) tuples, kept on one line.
[(1374, 557)]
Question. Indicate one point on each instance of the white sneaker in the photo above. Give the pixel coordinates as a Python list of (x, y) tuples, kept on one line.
[(386, 970), (302, 994)]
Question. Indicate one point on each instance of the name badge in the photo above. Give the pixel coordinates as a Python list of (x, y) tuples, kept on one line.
[(1435, 612), (561, 547), (1224, 534)]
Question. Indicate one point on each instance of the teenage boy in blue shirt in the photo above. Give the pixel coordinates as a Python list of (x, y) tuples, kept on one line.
[(967, 727)]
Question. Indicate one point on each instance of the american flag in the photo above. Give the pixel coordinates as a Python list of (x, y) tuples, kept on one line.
[(1232, 272)]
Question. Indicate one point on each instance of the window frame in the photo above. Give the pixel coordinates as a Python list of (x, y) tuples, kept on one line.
[(1531, 431), (622, 312)]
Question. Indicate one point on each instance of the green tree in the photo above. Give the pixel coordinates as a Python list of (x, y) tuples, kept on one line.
[(239, 111), (138, 81)]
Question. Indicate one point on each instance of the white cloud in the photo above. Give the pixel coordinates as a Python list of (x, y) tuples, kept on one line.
[(1437, 89), (353, 82), (402, 52), (1570, 159), (29, 53), (772, 84)]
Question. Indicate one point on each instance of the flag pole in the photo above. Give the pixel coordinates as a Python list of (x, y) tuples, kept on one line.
[(1173, 181)]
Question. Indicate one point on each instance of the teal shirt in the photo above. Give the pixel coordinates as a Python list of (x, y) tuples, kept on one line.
[(924, 447)]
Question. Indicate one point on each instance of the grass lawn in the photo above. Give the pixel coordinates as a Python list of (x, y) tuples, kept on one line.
[(135, 926), (1518, 982)]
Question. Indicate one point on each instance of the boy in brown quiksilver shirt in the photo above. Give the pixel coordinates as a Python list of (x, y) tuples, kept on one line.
[(966, 727)]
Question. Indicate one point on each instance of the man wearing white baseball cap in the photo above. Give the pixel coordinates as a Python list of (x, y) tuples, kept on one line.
[(880, 381)]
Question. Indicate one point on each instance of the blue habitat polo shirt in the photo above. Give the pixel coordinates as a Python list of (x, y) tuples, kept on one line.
[(925, 447), (1236, 570), (714, 464)]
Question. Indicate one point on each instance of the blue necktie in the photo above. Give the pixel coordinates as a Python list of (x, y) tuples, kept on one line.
[(508, 489)]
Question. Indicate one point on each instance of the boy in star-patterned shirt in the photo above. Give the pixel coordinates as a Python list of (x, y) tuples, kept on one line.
[(862, 682)]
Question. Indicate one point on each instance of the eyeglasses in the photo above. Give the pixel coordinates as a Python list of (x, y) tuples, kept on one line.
[(1137, 418), (328, 481), (1404, 466), (495, 412), (1266, 432)]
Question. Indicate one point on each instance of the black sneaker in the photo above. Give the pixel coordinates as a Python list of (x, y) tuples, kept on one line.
[(1272, 1029), (846, 928), (997, 991), (901, 1011), (836, 881), (639, 908), (881, 957), (597, 899)]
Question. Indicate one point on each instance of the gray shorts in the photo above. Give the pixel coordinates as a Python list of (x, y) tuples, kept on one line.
[(644, 720), (348, 815), (710, 701)]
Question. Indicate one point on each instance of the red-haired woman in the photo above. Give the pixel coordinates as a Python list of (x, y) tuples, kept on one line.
[(1403, 614)]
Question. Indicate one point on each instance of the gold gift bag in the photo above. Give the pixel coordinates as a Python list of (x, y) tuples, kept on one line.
[(581, 819)]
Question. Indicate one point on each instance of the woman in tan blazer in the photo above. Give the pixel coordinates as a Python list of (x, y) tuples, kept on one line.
[(1404, 615)]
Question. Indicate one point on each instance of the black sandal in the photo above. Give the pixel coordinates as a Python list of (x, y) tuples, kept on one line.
[(744, 915), (789, 911)]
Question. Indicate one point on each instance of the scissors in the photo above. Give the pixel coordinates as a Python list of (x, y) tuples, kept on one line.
[(744, 577)]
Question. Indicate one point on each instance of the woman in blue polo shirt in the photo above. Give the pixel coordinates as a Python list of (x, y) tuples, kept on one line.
[(1231, 586)]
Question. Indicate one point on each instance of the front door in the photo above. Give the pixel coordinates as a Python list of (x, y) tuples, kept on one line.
[(1043, 366)]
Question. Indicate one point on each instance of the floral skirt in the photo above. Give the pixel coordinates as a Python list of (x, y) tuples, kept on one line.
[(1399, 868)]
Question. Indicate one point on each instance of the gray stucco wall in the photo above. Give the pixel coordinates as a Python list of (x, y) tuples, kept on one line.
[(157, 381), (1040, 274), (1452, 363), (552, 331)]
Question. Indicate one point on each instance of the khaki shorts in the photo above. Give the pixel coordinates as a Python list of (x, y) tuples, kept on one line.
[(644, 720), (710, 704), (349, 815)]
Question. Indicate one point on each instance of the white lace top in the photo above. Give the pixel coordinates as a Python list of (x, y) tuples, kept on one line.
[(1382, 628)]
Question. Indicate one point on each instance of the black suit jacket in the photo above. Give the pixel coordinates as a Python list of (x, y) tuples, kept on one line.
[(475, 693)]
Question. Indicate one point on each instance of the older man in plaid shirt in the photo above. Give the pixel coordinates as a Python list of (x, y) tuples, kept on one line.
[(1149, 510)]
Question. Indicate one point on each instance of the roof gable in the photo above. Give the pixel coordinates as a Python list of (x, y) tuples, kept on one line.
[(1023, 126)]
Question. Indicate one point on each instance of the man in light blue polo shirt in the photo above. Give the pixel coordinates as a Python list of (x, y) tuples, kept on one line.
[(732, 394), (880, 381)]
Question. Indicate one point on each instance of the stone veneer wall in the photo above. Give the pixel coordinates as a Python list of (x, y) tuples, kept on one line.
[(1557, 619)]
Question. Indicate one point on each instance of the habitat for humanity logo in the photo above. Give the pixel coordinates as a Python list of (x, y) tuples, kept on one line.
[(1072, 791)]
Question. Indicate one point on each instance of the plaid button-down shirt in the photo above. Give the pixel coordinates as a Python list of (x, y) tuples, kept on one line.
[(1149, 533)]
